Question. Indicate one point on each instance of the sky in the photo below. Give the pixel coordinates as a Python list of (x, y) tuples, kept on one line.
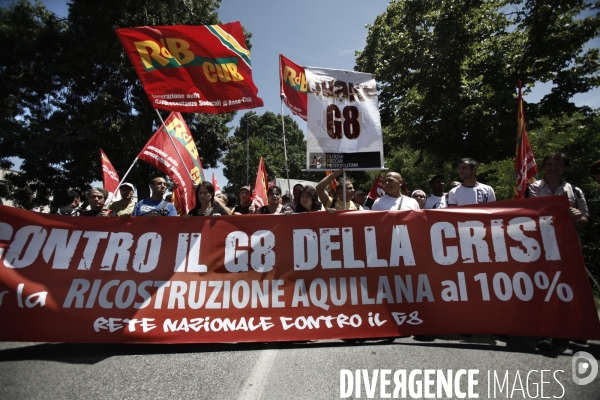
[(317, 33)]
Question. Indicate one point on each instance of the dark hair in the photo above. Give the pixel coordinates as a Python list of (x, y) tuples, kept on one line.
[(469, 161), (316, 204), (274, 187), (211, 189), (98, 189), (560, 156), (72, 195), (231, 200), (156, 177)]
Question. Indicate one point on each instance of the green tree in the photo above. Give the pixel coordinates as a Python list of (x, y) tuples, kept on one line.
[(70, 90), (447, 70), (266, 141)]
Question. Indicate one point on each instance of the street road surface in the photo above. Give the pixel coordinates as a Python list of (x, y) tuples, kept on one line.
[(295, 370)]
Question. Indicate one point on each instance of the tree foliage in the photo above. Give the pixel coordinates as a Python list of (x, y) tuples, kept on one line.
[(70, 90), (447, 70), (265, 139)]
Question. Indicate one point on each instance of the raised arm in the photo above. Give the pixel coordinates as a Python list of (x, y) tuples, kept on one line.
[(323, 196)]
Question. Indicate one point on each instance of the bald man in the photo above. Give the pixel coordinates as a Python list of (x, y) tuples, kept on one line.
[(394, 200)]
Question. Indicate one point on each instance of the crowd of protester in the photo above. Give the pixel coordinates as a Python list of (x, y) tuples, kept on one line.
[(309, 199), (345, 197)]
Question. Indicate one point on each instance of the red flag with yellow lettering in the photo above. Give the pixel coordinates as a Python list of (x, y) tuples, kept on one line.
[(177, 157), (204, 68), (293, 86)]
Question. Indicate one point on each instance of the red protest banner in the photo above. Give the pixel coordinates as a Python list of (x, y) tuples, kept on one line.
[(110, 177), (164, 154), (203, 69), (292, 81), (510, 268)]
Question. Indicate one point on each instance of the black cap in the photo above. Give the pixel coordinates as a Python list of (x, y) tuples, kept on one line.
[(437, 176)]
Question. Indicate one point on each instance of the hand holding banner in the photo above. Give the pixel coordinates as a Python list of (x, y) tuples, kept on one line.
[(511, 268)]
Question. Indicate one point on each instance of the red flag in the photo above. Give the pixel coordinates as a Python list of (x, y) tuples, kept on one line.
[(333, 184), (176, 196), (259, 195), (202, 68), (293, 86), (378, 189), (110, 178), (178, 158), (525, 166), (216, 184)]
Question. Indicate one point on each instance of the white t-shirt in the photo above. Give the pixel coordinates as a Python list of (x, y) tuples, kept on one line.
[(387, 203), (434, 202), (465, 195)]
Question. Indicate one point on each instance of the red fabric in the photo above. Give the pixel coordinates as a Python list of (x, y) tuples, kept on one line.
[(259, 195), (525, 167), (333, 184), (203, 68), (378, 189), (215, 183), (110, 177), (512, 268), (293, 86), (160, 151)]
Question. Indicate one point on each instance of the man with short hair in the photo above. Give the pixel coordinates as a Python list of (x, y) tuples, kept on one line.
[(552, 184), (470, 191), (337, 202), (393, 199), (155, 205), (245, 206), (126, 205), (71, 209), (438, 198), (296, 190), (96, 199)]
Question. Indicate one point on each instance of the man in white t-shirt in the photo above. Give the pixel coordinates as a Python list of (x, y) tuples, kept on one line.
[(471, 191), (394, 200), (438, 199)]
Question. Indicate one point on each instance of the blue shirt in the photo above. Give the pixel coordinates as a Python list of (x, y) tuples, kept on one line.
[(143, 207)]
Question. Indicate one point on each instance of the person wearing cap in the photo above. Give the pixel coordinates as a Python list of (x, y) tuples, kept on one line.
[(245, 206), (420, 197), (126, 205), (359, 198), (438, 199), (595, 172)]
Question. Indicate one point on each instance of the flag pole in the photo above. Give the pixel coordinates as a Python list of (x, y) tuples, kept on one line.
[(107, 204), (175, 147), (287, 174)]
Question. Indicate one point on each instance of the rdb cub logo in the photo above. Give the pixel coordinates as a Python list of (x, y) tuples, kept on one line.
[(585, 368)]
